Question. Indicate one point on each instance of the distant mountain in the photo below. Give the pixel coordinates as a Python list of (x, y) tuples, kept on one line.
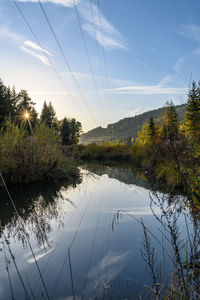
[(127, 128)]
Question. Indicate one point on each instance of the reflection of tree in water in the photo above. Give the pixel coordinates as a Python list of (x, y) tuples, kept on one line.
[(37, 205), (181, 250), (176, 272), (122, 172)]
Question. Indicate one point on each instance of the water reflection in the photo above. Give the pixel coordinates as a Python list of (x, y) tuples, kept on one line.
[(122, 172), (172, 256), (106, 222), (37, 205)]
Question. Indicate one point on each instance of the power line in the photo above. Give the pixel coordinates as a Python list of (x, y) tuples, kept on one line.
[(103, 49), (65, 59), (48, 58), (98, 54), (59, 240), (86, 51), (8, 271), (102, 41), (65, 260), (92, 248), (16, 267), (97, 47), (71, 276), (26, 235)]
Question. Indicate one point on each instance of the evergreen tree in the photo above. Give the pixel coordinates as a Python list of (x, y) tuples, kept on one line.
[(48, 116), (14, 102), (52, 117), (10, 103), (152, 129), (75, 131), (65, 132), (4, 103), (44, 113), (193, 110), (25, 104), (171, 125)]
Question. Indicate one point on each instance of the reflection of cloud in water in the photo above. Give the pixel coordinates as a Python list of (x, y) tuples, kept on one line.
[(110, 265), (70, 298), (134, 188), (105, 176), (136, 211), (38, 256)]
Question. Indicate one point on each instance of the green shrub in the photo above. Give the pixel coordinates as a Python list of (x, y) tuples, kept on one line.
[(26, 158)]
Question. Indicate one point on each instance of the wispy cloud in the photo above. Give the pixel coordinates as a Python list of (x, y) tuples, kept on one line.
[(179, 63), (147, 90), (116, 263), (6, 33), (67, 3), (84, 9), (41, 57), (110, 81), (36, 47), (143, 65), (190, 31), (31, 260), (107, 41), (106, 34), (32, 49), (26, 46), (166, 79)]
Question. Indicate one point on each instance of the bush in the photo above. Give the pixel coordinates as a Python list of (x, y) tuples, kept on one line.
[(26, 158)]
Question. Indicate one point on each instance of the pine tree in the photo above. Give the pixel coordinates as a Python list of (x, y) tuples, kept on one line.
[(193, 110), (44, 113), (171, 125), (65, 132), (152, 132), (4, 103), (52, 117), (75, 130), (14, 102), (25, 104), (48, 116)]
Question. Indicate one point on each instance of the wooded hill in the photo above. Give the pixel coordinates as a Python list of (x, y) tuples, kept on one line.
[(127, 128)]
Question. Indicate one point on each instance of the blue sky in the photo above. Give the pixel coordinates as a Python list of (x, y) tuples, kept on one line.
[(142, 53)]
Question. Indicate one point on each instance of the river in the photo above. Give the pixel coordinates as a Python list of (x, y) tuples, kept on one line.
[(87, 237)]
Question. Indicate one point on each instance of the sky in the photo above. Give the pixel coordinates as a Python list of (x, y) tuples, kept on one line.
[(100, 60)]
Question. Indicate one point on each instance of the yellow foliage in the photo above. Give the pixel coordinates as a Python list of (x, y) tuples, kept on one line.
[(143, 137)]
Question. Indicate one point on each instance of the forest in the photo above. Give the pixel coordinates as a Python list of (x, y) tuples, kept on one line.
[(34, 147), (165, 155), (167, 151), (31, 145)]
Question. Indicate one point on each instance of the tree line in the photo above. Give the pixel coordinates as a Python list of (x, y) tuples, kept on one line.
[(170, 129), (18, 107), (169, 150)]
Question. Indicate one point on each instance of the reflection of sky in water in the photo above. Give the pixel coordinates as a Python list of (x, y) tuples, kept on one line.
[(105, 260)]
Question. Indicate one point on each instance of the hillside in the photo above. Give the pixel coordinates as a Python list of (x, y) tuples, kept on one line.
[(126, 128)]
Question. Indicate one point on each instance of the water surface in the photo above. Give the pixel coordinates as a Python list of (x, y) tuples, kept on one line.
[(97, 221)]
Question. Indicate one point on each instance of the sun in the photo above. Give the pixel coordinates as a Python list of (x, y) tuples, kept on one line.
[(26, 115)]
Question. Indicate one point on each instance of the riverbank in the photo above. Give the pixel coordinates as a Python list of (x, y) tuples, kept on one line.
[(142, 158), (170, 164), (107, 208), (38, 156)]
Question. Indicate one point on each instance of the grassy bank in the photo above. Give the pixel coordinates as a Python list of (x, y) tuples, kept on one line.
[(26, 157), (173, 164), (106, 152), (145, 158)]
